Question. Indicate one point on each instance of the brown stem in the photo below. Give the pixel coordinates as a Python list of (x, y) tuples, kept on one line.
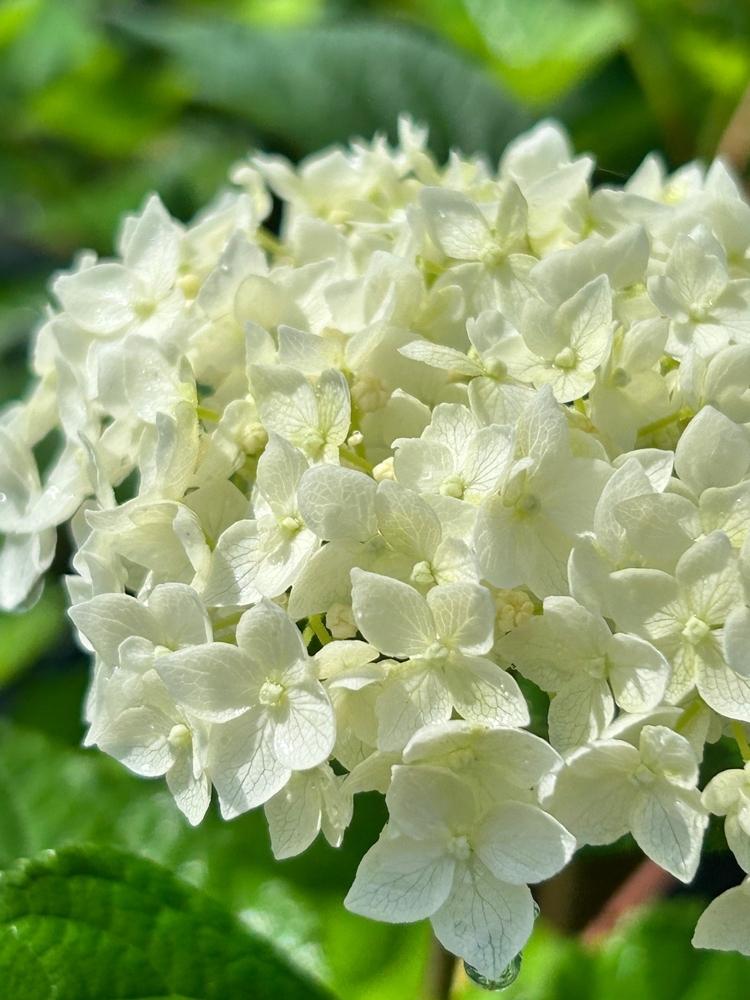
[(647, 882), (441, 968), (734, 145)]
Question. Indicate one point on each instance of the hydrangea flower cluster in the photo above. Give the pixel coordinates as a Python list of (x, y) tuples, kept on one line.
[(347, 500)]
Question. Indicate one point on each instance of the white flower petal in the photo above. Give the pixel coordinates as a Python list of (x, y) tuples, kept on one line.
[(668, 825), (713, 451), (391, 615), (638, 673), (464, 616), (108, 619), (234, 567), (294, 815), (406, 521), (213, 681), (429, 802), (180, 614), (338, 503), (486, 922), (484, 693), (191, 793), (270, 638), (401, 880), (305, 730), (593, 793), (723, 924), (242, 766), (579, 712), (455, 224), (520, 843)]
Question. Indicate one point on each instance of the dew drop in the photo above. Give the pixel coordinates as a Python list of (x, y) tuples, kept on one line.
[(3, 498), (506, 978)]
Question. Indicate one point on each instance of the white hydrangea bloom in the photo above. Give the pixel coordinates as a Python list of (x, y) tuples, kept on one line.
[(444, 857), (612, 787), (573, 653), (440, 639), (344, 495)]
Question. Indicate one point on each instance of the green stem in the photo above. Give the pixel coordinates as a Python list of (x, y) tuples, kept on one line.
[(741, 740), (354, 459), (688, 714), (662, 422), (321, 633), (269, 242)]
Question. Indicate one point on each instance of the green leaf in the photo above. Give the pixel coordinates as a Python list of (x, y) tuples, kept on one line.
[(304, 88), (95, 924), (650, 956), (53, 796), (545, 46), (56, 38), (24, 638)]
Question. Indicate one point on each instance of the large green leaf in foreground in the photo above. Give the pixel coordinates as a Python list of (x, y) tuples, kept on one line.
[(96, 924)]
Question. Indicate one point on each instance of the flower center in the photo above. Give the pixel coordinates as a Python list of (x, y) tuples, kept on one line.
[(422, 574), (453, 486), (254, 439), (460, 848), (565, 358), (369, 393), (313, 442), (596, 668), (179, 737), (436, 651), (528, 504), (695, 630), (144, 309), (270, 693), (496, 369), (643, 775), (290, 525)]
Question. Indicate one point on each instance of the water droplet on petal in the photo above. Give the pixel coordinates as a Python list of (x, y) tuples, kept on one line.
[(506, 978), (3, 498)]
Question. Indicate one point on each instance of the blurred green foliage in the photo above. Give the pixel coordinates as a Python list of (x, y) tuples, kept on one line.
[(103, 102)]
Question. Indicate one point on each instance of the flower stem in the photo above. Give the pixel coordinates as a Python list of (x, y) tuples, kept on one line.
[(741, 740), (204, 413), (269, 242), (319, 630), (662, 422), (354, 459), (688, 714), (647, 883), (734, 145), (439, 974)]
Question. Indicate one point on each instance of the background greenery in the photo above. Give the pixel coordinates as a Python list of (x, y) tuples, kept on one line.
[(102, 103)]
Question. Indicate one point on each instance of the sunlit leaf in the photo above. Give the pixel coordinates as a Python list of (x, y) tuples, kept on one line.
[(304, 88), (103, 925), (545, 46)]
